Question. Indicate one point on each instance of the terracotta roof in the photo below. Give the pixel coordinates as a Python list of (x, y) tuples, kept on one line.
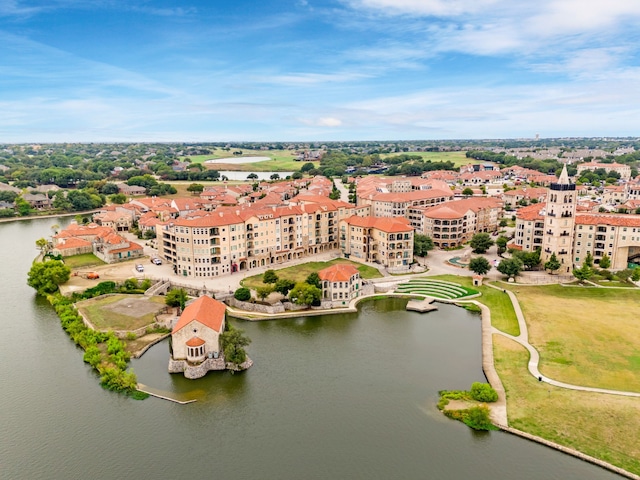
[(72, 242), (621, 220), (389, 225), (412, 196), (195, 342), (205, 310), (340, 272), (531, 212)]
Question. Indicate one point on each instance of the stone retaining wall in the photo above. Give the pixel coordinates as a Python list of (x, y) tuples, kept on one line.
[(255, 307), (210, 364)]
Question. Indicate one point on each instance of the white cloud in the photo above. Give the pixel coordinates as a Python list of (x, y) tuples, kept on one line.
[(441, 8), (306, 79)]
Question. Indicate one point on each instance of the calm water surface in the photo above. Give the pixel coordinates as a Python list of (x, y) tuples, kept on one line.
[(342, 397)]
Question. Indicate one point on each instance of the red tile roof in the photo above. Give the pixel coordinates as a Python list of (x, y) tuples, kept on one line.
[(620, 220), (389, 225), (195, 342), (205, 310), (340, 272)]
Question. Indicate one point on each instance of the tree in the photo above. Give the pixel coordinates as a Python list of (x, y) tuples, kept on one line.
[(42, 243), (307, 167), (483, 392), (479, 265), (269, 276), (233, 341), (588, 260), (583, 273), (195, 188), (45, 277), (242, 294), (264, 292), (529, 259), (252, 176), (635, 275), (605, 261), (503, 222), (553, 264), (305, 294), (284, 286), (510, 266), (501, 242), (118, 198), (314, 279), (421, 245), (481, 242), (467, 192), (275, 176), (176, 298)]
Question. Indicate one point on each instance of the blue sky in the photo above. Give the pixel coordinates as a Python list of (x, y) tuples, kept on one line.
[(224, 70)]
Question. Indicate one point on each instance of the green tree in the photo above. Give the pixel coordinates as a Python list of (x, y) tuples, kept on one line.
[(242, 294), (305, 294), (605, 261), (479, 265), (483, 392), (284, 286), (501, 242), (252, 176), (118, 198), (529, 259), (510, 266), (45, 277), (467, 192), (588, 260), (553, 264), (264, 292), (635, 275), (421, 245), (314, 279), (269, 276), (481, 242), (195, 188), (307, 167), (23, 207), (233, 341), (275, 176), (583, 273), (42, 243), (176, 298)]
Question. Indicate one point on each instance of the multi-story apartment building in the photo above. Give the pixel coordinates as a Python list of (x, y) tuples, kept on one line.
[(556, 227), (229, 239), (623, 170), (388, 241), (454, 223), (397, 204)]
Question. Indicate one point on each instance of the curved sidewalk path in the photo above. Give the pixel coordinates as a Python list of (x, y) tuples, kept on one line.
[(534, 359)]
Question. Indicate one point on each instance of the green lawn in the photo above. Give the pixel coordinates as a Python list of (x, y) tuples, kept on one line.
[(102, 317), (458, 158), (281, 160), (83, 260), (299, 273), (603, 426), (585, 335), (503, 316)]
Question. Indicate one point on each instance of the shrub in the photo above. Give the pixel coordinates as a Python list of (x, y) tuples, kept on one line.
[(242, 294), (483, 392), (269, 277)]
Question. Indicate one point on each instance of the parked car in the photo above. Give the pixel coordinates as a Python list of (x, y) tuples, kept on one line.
[(139, 268), (93, 275), (156, 261)]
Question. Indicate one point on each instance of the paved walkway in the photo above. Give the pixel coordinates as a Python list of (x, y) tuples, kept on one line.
[(534, 359)]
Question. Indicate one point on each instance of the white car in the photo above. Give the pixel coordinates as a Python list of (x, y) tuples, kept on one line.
[(156, 261), (139, 268)]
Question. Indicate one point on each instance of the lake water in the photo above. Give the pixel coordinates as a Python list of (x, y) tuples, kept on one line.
[(342, 397), (237, 160)]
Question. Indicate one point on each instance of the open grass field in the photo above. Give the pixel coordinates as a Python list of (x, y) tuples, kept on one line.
[(458, 158), (121, 312), (503, 317), (603, 426), (83, 260), (299, 273), (281, 160), (586, 336)]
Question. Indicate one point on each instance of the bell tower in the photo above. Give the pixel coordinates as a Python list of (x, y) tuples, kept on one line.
[(559, 222)]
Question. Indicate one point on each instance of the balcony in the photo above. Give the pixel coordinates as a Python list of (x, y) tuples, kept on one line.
[(601, 237), (566, 215), (562, 252), (538, 233), (547, 250), (549, 232), (551, 214), (564, 234), (599, 245)]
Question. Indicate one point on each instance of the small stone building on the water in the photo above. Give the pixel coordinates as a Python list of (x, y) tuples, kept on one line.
[(341, 283), (196, 338)]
